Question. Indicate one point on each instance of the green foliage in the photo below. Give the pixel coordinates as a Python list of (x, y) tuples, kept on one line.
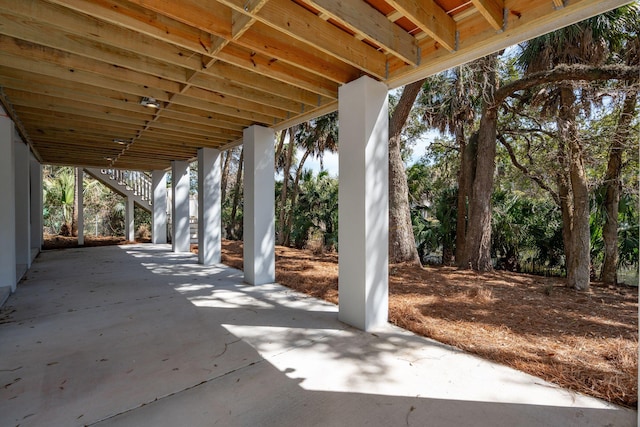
[(433, 200), (525, 229), (628, 229), (104, 210), (316, 213), (434, 225), (59, 195)]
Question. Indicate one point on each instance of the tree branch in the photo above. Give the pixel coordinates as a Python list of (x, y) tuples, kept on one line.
[(565, 72), (538, 180)]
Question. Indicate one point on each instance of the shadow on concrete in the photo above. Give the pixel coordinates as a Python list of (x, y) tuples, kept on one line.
[(139, 336)]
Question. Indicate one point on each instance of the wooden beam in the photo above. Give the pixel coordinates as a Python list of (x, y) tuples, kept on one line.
[(44, 60), (204, 14), (365, 20), (239, 77), (40, 118), (281, 47), (249, 60), (297, 22), (190, 115), (38, 84), (492, 10), (67, 21), (77, 108), (237, 103), (430, 18), (226, 89), (127, 15), (45, 35), (478, 38), (222, 109)]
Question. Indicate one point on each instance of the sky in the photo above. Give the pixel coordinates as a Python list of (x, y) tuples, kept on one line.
[(331, 159)]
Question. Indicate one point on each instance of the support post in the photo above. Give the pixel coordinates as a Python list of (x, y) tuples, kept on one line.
[(209, 206), (129, 226), (180, 206), (259, 206), (8, 197), (80, 211), (23, 238), (364, 204), (159, 183), (36, 207)]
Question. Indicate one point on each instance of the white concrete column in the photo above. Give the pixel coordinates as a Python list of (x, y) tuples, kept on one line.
[(23, 217), (259, 206), (159, 184), (80, 212), (8, 197), (180, 206), (36, 207), (209, 206), (129, 226), (363, 204)]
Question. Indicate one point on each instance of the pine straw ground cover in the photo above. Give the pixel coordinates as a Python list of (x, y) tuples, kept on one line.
[(587, 342), (54, 241)]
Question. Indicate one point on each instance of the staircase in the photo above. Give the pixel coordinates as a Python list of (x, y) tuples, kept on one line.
[(138, 186), (134, 184)]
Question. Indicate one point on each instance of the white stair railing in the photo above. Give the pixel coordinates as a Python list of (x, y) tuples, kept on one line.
[(138, 182)]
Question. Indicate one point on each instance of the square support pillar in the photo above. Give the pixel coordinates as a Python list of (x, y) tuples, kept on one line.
[(23, 236), (180, 240), (80, 211), (8, 197), (209, 206), (363, 215), (36, 206), (259, 206), (159, 183), (129, 224)]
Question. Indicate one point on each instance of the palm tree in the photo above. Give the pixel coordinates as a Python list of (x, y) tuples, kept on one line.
[(450, 102), (60, 192), (316, 138)]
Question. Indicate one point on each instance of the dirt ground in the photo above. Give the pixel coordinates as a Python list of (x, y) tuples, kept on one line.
[(587, 342)]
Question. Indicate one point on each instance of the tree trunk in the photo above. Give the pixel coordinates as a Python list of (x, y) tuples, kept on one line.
[(402, 242), (613, 185), (460, 103), (279, 147), (285, 186), (231, 230), (468, 153), (225, 174), (294, 195), (477, 254), (578, 256), (566, 199)]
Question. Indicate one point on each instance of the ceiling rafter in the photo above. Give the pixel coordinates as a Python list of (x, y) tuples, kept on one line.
[(370, 23), (430, 18), (73, 72), (297, 22), (492, 10), (193, 38)]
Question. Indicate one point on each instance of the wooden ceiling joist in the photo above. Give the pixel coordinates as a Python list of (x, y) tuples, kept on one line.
[(492, 10), (73, 73)]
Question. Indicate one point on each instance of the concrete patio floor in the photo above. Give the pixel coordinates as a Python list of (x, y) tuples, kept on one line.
[(139, 336)]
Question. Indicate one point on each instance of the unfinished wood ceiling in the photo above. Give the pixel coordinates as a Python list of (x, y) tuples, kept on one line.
[(73, 73)]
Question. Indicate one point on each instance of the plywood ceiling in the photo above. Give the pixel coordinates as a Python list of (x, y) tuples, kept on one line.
[(73, 72)]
